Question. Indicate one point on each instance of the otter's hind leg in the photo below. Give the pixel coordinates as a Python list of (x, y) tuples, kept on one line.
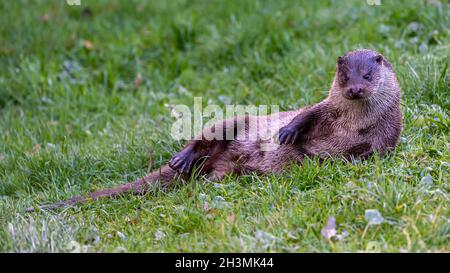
[(184, 161)]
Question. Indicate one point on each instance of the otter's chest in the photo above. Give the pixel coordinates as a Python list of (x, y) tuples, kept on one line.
[(336, 139)]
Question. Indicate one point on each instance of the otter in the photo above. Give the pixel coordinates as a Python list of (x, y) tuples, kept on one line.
[(360, 116)]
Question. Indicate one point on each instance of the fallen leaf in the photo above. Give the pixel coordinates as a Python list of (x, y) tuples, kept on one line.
[(121, 235), (206, 206), (330, 229), (427, 181), (212, 211), (208, 209), (45, 18), (88, 44), (138, 80), (35, 149), (133, 221), (231, 218), (373, 217)]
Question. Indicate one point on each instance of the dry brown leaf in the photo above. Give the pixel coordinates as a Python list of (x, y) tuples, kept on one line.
[(231, 218), (138, 80), (212, 211), (45, 18), (88, 44), (209, 210), (35, 149), (133, 221)]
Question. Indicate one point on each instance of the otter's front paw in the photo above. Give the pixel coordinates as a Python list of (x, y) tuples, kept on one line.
[(182, 162), (288, 135)]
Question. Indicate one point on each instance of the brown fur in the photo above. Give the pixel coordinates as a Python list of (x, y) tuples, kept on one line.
[(360, 116)]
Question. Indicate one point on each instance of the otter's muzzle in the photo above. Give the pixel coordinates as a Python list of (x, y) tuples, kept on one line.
[(355, 92)]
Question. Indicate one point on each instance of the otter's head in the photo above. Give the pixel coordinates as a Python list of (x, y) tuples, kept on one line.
[(359, 74)]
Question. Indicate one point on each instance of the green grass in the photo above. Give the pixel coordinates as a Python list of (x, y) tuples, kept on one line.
[(95, 126)]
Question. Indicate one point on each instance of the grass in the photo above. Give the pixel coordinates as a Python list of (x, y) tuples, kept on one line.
[(83, 99)]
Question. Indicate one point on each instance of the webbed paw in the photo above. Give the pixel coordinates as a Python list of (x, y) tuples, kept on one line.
[(182, 162), (288, 135)]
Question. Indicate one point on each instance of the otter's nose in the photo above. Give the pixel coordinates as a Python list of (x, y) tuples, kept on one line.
[(355, 92)]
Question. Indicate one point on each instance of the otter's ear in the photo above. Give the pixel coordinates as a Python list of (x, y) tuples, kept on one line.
[(379, 59), (340, 60)]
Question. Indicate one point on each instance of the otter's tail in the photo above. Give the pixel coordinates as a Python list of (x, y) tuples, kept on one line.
[(164, 176)]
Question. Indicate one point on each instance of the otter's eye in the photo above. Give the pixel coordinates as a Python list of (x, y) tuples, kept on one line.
[(345, 78), (367, 76)]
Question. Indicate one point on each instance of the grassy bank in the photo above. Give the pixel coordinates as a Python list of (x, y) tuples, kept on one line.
[(83, 102)]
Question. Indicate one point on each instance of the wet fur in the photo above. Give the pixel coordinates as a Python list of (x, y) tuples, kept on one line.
[(335, 127)]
